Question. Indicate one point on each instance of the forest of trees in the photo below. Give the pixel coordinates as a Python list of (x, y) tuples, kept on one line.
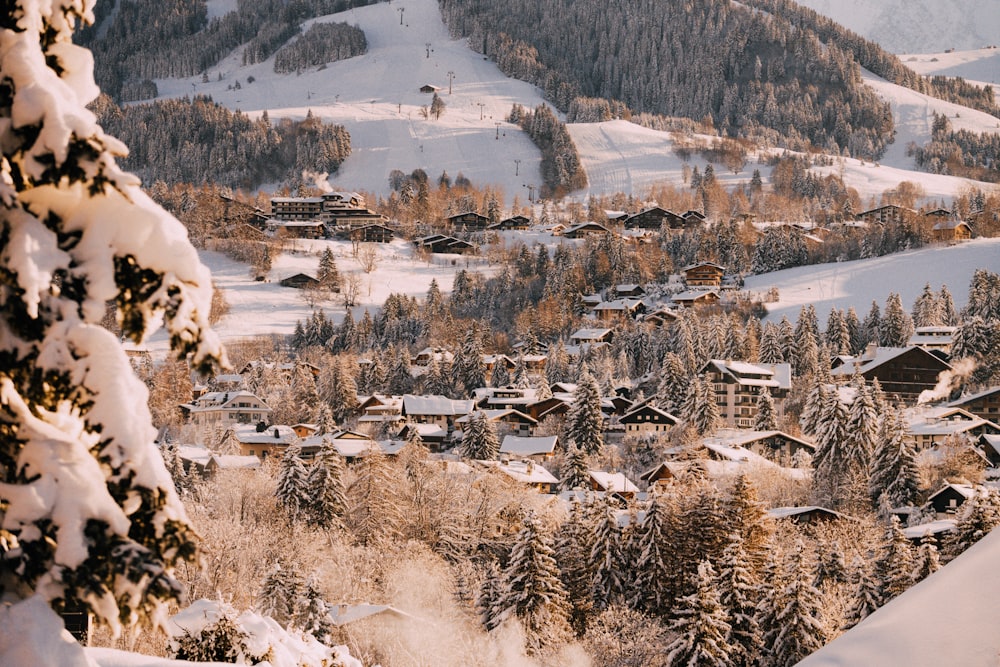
[(751, 74), (198, 141), (150, 39), (959, 153), (562, 171), (322, 43)]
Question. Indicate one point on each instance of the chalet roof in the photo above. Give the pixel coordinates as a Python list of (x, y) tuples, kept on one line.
[(950, 224), (293, 200), (516, 445), (872, 359), (791, 512), (649, 408), (344, 614), (247, 434), (225, 400), (965, 490), (623, 305), (694, 295), (436, 405), (526, 472), (965, 400), (770, 375), (590, 334), (942, 421), (613, 482), (497, 415), (933, 527), (740, 438), (698, 265)]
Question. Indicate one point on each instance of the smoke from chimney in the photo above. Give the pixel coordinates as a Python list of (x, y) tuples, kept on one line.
[(948, 380)]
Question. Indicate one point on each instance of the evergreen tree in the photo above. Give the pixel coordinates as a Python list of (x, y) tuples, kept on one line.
[(314, 614), (480, 439), (585, 421), (439, 380), (701, 412), (838, 337), (813, 408), (866, 593), (576, 474), (500, 377), (654, 566), (949, 316), (896, 326), (872, 325), (862, 426), (520, 378), (702, 625), (606, 560), (90, 515), (739, 596), (373, 511), (175, 466), (771, 345), (749, 520), (766, 418), (928, 559), (532, 592), (927, 310), (327, 273), (470, 371), (800, 630), (830, 461), (894, 565), (855, 331), (674, 384), (894, 472), (573, 546), (327, 495), (292, 491), (487, 602), (557, 364), (282, 595)]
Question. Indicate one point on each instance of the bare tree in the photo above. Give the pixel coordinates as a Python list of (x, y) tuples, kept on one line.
[(351, 289), (368, 257)]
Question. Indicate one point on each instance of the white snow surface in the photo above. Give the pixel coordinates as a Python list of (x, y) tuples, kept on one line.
[(947, 619), (916, 26), (376, 97), (857, 283)]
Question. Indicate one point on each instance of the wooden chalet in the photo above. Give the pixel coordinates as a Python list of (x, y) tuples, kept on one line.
[(903, 371), (527, 473), (299, 281), (704, 274), (807, 514), (619, 309), (429, 89), (584, 336), (693, 218), (938, 214), (951, 230), (696, 298), (612, 482), (536, 448), (661, 317), (584, 229), (984, 404), (629, 290), (373, 233), (505, 421), (654, 218), (647, 419), (950, 497), (738, 384), (468, 220), (297, 229), (513, 222), (440, 243)]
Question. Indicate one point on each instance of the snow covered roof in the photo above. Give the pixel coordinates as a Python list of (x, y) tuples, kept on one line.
[(525, 472), (949, 618), (932, 527), (613, 482), (215, 400), (739, 438), (247, 434), (941, 420), (436, 405), (343, 614), (497, 415), (693, 295), (528, 446), (789, 512), (963, 400), (874, 358), (590, 334)]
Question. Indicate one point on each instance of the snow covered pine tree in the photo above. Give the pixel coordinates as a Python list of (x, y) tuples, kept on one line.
[(88, 512)]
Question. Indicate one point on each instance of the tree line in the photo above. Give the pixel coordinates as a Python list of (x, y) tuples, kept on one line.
[(197, 141)]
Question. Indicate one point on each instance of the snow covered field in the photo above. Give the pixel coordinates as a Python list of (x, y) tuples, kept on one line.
[(858, 283), (376, 97)]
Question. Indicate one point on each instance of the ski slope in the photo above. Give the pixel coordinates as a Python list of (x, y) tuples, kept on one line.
[(376, 97)]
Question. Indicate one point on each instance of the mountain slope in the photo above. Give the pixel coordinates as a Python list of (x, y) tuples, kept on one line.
[(916, 26)]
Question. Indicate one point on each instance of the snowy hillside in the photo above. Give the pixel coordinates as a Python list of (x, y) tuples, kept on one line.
[(917, 26), (858, 283), (376, 96), (947, 619)]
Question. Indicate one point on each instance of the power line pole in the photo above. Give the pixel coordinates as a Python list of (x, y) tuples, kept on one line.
[(517, 167), (401, 10), (497, 123), (428, 46), (451, 78), (481, 105)]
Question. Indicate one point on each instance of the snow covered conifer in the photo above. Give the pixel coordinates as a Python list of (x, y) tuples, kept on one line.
[(326, 493), (373, 511), (830, 461), (862, 426), (894, 565), (867, 593), (894, 471), (480, 440), (282, 594), (927, 309), (766, 418), (314, 613), (489, 595), (532, 592), (674, 384), (739, 595), (88, 510), (585, 421), (977, 517), (700, 410), (800, 630), (771, 351), (500, 377), (576, 474), (572, 551), (896, 326), (928, 560), (702, 625), (654, 566), (606, 561), (292, 490)]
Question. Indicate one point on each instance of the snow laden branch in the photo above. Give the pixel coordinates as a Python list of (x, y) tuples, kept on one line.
[(88, 513)]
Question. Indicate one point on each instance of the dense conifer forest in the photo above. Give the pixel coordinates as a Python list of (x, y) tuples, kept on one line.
[(197, 140), (150, 39)]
